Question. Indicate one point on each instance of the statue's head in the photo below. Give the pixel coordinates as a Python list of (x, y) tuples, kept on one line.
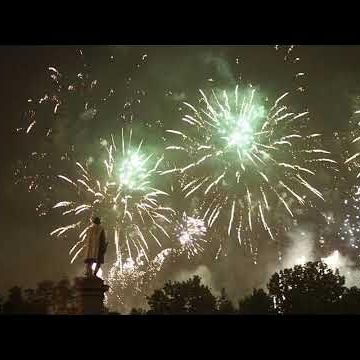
[(96, 220)]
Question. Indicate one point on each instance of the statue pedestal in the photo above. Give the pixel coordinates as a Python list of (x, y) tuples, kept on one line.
[(90, 295)]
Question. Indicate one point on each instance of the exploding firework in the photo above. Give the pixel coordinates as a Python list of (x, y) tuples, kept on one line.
[(62, 122), (124, 196), (191, 232), (350, 229), (76, 95), (246, 159), (130, 285), (353, 160)]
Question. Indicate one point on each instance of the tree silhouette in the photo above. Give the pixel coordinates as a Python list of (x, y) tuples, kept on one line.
[(138, 312), (44, 296), (188, 297), (15, 303), (311, 288), (31, 303), (63, 297), (350, 301), (259, 302), (224, 305), (29, 295), (47, 298)]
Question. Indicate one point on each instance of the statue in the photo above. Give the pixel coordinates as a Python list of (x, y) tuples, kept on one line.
[(95, 246)]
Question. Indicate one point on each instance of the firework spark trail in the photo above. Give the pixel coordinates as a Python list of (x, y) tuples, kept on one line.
[(137, 276), (350, 228), (353, 160), (256, 158), (70, 100), (135, 279), (124, 198), (191, 232)]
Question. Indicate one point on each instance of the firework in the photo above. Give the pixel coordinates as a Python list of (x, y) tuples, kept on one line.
[(78, 95), (244, 158), (350, 228), (130, 285), (352, 160), (124, 196), (62, 122), (191, 232)]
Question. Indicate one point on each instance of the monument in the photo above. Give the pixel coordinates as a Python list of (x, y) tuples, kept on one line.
[(90, 289), (90, 295)]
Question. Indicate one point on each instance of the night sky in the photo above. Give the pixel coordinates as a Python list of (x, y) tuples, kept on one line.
[(27, 253)]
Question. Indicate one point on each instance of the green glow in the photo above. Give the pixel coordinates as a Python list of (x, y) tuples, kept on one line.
[(241, 135), (239, 129), (133, 172)]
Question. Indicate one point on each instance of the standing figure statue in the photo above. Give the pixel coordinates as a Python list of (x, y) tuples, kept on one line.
[(96, 246)]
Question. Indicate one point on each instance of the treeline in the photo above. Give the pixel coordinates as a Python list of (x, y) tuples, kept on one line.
[(47, 298), (309, 289), (312, 288)]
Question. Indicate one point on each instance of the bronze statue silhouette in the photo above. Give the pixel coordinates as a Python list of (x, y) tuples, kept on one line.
[(95, 246)]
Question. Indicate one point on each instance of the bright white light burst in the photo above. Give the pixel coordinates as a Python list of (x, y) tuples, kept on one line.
[(245, 159), (190, 232), (125, 199)]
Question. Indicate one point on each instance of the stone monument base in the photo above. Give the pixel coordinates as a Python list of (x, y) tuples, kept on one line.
[(90, 295)]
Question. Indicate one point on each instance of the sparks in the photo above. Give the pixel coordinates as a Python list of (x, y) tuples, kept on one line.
[(123, 195), (191, 232), (246, 157)]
